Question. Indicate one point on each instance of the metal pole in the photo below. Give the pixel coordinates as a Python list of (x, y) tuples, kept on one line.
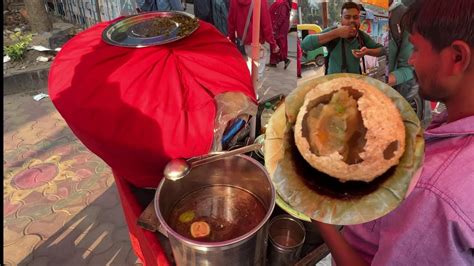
[(255, 57), (255, 41), (97, 10), (300, 21), (325, 14)]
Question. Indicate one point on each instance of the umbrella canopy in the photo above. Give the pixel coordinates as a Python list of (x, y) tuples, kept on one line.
[(138, 108)]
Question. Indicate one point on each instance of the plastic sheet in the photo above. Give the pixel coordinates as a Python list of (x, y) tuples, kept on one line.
[(231, 106)]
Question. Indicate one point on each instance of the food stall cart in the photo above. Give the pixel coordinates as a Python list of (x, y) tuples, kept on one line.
[(138, 108)]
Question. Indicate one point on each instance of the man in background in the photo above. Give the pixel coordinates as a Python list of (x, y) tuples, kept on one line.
[(280, 15), (220, 12), (203, 10), (346, 44), (238, 14), (159, 5), (401, 75)]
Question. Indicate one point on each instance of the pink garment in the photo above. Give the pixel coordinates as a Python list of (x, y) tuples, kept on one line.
[(435, 223), (280, 15), (299, 53), (238, 12)]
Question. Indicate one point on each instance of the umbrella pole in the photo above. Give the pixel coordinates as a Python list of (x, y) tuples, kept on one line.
[(325, 14), (255, 42), (255, 57)]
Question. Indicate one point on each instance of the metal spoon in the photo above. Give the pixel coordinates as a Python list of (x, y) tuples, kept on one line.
[(179, 168)]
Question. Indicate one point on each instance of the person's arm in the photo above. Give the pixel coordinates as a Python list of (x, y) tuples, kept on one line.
[(342, 253), (314, 41), (403, 71), (368, 51), (371, 47)]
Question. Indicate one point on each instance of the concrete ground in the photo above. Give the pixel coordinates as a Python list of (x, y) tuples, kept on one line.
[(60, 202), (310, 71), (277, 80)]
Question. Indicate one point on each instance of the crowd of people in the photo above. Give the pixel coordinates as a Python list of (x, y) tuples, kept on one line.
[(230, 18)]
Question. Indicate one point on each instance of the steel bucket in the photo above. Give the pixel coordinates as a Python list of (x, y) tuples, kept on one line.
[(238, 171)]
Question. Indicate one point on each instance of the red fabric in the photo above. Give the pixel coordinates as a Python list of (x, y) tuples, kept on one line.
[(238, 12), (138, 108), (294, 5), (299, 53), (144, 243), (280, 15)]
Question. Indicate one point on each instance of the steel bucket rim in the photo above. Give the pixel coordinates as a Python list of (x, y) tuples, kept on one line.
[(221, 244)]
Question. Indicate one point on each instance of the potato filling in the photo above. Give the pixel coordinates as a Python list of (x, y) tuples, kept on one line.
[(334, 124)]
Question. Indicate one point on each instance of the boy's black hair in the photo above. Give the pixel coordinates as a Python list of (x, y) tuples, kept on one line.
[(349, 5), (441, 22)]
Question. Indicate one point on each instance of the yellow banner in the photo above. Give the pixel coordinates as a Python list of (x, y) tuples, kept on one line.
[(379, 3)]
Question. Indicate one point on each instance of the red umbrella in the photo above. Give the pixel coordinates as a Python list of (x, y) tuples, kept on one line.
[(138, 108)]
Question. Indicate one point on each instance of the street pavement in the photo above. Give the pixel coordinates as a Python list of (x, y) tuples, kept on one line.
[(310, 71), (277, 80), (60, 203)]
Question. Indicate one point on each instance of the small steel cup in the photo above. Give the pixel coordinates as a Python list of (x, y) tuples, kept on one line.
[(286, 235)]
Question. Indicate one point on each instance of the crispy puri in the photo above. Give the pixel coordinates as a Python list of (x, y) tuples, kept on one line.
[(349, 130)]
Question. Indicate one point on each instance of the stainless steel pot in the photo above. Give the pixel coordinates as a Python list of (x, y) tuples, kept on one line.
[(239, 171)]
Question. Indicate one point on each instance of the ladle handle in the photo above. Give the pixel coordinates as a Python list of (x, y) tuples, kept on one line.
[(226, 154), (200, 157)]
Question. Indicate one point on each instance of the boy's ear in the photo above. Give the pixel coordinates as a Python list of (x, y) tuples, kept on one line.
[(461, 56)]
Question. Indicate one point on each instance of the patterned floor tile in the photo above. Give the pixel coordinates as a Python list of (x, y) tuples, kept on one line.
[(36, 211), (106, 200), (44, 211), (113, 215), (116, 255), (120, 234), (48, 226), (39, 261), (16, 254), (85, 219), (59, 247), (98, 239), (81, 257)]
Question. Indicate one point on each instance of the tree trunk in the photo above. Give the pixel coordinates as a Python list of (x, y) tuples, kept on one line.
[(37, 16)]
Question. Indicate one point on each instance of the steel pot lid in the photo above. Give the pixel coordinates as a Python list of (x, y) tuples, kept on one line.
[(151, 28)]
